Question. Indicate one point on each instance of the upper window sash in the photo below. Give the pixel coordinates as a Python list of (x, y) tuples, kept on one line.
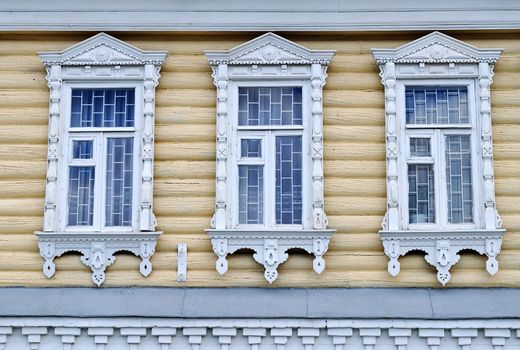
[(440, 121), (67, 105)]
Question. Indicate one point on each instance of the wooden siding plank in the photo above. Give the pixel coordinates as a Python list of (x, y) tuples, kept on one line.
[(355, 167)]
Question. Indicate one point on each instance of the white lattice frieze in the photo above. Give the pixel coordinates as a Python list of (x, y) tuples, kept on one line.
[(139, 333), (436, 48), (97, 250), (102, 50), (269, 49), (266, 71), (442, 248), (434, 60), (270, 247)]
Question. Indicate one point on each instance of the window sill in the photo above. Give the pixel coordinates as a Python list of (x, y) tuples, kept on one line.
[(97, 249), (442, 247), (270, 246)]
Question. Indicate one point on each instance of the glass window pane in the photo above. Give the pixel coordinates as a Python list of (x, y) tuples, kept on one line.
[(270, 106), (82, 149), (251, 194), (102, 108), (458, 178), (436, 105), (421, 194), (81, 196), (420, 147), (118, 204), (251, 148), (288, 180)]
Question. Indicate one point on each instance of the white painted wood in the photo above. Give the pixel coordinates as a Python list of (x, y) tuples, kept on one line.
[(34, 336), (68, 336), (182, 262), (269, 60), (164, 336), (437, 59), (195, 335), (139, 333), (101, 61)]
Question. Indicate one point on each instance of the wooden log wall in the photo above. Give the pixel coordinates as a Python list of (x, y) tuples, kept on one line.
[(184, 167)]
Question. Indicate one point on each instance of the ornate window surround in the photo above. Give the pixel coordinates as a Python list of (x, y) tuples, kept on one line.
[(437, 58), (100, 61), (269, 59)]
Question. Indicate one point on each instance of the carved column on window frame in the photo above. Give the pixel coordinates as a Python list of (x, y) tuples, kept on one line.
[(51, 189), (221, 80), (151, 79), (391, 220), (318, 75), (491, 216)]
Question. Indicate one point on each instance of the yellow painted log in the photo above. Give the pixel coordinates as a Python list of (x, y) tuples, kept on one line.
[(185, 133), (369, 116), (364, 169), (183, 169), (354, 150), (12, 169), (23, 134), (184, 115), (185, 97), (22, 188)]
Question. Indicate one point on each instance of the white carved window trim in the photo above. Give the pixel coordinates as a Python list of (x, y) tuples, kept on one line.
[(101, 61), (437, 59), (269, 60)]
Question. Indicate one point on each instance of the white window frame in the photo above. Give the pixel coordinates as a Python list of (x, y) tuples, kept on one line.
[(99, 62), (439, 60), (436, 134), (268, 134), (266, 61), (100, 136)]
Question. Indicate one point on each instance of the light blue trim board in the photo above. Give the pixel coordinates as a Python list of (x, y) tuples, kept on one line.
[(329, 303)]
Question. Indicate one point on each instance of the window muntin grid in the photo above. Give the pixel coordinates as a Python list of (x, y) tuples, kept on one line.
[(458, 179), (437, 105), (82, 149), (102, 107), (119, 182), (251, 148), (81, 196), (251, 194), (421, 194), (420, 147), (270, 106), (289, 180)]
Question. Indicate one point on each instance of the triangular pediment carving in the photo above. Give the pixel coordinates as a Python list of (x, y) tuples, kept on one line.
[(102, 49), (269, 49), (436, 47)]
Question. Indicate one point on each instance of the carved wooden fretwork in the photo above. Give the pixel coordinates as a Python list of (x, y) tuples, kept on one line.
[(97, 250), (438, 56), (269, 57), (100, 59), (270, 247)]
